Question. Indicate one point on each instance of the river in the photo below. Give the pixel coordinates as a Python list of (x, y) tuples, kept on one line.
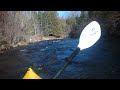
[(101, 61)]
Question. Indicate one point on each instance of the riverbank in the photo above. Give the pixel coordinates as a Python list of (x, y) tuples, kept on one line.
[(33, 39)]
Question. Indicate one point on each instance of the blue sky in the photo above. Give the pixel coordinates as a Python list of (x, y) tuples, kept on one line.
[(64, 13)]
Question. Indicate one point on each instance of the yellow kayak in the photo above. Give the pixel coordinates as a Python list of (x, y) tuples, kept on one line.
[(30, 74)]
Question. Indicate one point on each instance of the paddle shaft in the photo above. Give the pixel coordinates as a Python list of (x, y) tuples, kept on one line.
[(68, 61)]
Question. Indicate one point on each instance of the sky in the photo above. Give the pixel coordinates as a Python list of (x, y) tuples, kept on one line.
[(64, 14)]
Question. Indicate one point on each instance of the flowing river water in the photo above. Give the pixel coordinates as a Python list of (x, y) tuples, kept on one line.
[(101, 61)]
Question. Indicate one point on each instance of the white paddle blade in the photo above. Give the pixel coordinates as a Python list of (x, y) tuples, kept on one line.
[(89, 35)]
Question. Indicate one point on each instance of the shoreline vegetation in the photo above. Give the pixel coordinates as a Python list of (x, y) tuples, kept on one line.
[(33, 39), (18, 28)]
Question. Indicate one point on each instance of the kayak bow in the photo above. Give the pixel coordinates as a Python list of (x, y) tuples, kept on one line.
[(30, 74)]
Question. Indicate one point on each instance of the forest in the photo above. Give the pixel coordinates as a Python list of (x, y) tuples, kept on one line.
[(19, 27)]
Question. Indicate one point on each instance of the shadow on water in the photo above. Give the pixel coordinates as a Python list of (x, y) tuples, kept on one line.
[(101, 61), (15, 62)]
